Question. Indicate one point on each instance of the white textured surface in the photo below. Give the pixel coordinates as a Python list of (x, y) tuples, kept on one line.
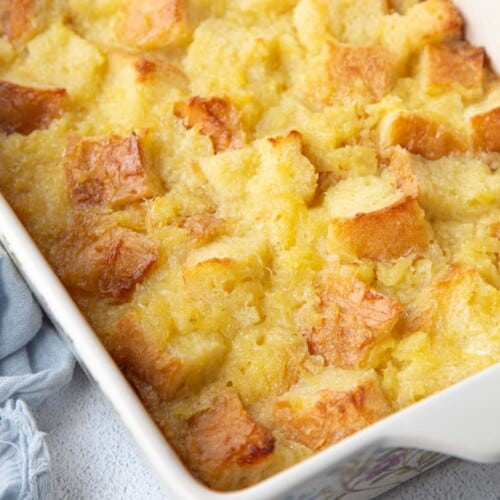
[(93, 457)]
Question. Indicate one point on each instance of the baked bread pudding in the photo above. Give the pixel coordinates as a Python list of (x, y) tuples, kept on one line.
[(282, 219)]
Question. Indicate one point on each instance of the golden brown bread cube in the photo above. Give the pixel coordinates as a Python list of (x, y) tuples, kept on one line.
[(108, 265), (25, 109), (385, 234), (400, 165), (225, 436), (354, 318), (421, 136), (371, 70), (137, 352), (215, 117), (455, 65), (150, 24), (486, 128), (318, 416), (110, 171), (16, 18)]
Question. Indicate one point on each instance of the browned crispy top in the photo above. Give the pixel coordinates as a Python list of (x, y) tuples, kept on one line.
[(486, 128), (354, 318), (108, 171), (331, 415), (452, 63), (15, 17), (108, 264), (373, 69), (25, 109), (216, 118), (423, 136), (385, 234), (225, 435)]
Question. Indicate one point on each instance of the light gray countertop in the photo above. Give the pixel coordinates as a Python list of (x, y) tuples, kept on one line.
[(93, 457)]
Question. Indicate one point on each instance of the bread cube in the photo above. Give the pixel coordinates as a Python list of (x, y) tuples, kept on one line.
[(110, 171), (25, 109), (453, 65), (107, 265), (421, 135), (151, 24), (371, 70), (59, 57), (388, 233), (323, 409), (400, 165), (224, 437), (354, 318), (134, 350), (452, 332), (486, 128), (215, 117), (267, 168), (186, 360), (224, 280), (432, 21), (457, 187), (19, 19)]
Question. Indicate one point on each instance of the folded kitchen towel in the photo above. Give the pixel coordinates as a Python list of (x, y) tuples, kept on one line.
[(34, 362)]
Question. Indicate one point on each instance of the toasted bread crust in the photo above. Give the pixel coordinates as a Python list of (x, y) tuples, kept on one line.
[(453, 63), (333, 416), (25, 109), (110, 171), (385, 234), (15, 18), (108, 265), (215, 117), (486, 128), (354, 318), (135, 351), (226, 435), (422, 136), (400, 166), (373, 69)]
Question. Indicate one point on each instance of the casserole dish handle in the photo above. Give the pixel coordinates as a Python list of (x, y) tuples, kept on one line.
[(462, 421)]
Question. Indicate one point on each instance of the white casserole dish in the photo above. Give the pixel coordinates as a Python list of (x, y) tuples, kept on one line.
[(462, 421)]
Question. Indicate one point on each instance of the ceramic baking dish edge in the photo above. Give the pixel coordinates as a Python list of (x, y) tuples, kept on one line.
[(462, 421)]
